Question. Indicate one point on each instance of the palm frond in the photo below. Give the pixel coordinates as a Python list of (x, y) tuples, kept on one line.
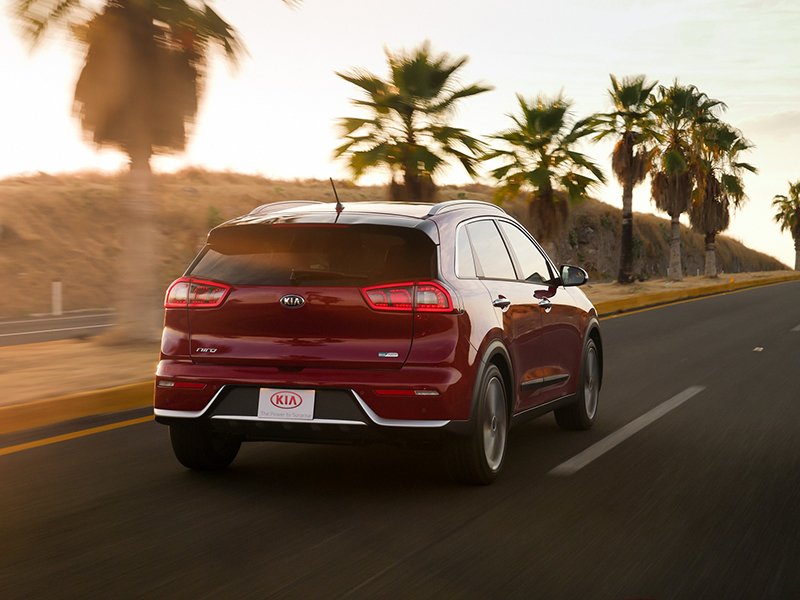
[(411, 110)]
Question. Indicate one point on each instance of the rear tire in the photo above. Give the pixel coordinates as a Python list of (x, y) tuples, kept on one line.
[(581, 415), (478, 457), (196, 447)]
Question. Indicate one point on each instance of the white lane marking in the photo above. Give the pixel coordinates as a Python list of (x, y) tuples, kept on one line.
[(43, 319), (594, 451), (53, 330), (796, 328)]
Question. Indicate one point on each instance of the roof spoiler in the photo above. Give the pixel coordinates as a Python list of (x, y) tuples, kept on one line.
[(271, 207)]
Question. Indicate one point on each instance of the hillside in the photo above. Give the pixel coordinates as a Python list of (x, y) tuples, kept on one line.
[(67, 228)]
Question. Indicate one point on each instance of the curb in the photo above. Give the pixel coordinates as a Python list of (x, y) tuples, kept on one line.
[(616, 307), (40, 413)]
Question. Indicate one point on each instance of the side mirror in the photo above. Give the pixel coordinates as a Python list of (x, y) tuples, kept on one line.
[(573, 276)]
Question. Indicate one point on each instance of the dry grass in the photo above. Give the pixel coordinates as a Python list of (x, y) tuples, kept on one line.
[(51, 369)]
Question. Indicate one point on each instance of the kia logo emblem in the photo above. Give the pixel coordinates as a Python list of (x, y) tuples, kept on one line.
[(285, 399), (292, 301)]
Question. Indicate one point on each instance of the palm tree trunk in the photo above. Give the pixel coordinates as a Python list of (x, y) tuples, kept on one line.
[(711, 255), (626, 244), (675, 269), (138, 297), (797, 254)]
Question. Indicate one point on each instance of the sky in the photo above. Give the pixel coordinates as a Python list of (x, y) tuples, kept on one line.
[(274, 114)]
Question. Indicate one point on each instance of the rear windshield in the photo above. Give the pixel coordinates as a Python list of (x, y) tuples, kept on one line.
[(319, 255)]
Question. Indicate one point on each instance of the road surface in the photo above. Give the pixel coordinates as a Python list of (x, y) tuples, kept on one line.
[(688, 487)]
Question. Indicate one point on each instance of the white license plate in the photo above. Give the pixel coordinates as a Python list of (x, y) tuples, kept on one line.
[(277, 404)]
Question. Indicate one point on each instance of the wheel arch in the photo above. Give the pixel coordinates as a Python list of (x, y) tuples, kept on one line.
[(496, 354)]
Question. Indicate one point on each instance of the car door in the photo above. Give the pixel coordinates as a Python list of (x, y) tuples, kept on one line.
[(517, 311), (559, 337)]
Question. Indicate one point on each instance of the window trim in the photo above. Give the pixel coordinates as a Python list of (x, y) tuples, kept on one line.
[(478, 267), (554, 280)]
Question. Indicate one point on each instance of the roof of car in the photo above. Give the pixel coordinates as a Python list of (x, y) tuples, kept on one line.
[(418, 210)]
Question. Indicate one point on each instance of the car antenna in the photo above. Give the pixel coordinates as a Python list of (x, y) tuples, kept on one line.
[(339, 205)]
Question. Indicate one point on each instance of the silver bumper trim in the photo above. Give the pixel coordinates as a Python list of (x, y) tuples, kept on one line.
[(377, 420)]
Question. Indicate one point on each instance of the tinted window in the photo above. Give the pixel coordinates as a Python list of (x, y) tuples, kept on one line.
[(490, 251), (531, 260), (465, 265), (316, 255)]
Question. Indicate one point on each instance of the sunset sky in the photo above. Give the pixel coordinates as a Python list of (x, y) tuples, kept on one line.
[(275, 113)]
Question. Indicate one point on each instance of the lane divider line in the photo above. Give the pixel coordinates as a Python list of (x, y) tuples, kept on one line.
[(72, 435), (796, 328), (577, 462)]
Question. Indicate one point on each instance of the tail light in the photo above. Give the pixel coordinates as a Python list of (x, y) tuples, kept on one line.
[(195, 293), (425, 296)]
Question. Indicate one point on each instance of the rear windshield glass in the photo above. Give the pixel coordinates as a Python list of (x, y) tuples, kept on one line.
[(316, 255)]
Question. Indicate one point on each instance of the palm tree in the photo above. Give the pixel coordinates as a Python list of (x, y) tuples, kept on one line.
[(631, 124), (539, 155), (680, 111), (787, 215), (137, 92), (408, 130), (720, 185)]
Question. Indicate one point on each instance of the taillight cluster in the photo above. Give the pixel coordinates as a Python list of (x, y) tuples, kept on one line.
[(195, 293), (424, 296)]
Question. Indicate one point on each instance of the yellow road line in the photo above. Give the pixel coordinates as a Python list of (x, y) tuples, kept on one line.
[(72, 435)]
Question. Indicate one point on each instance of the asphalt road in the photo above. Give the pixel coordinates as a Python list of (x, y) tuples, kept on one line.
[(48, 328), (703, 502)]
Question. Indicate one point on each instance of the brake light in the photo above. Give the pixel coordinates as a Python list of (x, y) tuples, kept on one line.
[(425, 296), (195, 293)]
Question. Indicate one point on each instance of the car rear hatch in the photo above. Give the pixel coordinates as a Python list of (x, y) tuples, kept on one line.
[(298, 295)]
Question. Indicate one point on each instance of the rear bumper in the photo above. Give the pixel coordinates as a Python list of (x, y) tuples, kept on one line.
[(436, 396), (347, 419)]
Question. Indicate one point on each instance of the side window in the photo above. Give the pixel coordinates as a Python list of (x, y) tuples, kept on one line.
[(465, 265), (490, 250), (531, 260)]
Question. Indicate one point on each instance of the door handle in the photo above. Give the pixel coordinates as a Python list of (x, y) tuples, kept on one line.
[(501, 302)]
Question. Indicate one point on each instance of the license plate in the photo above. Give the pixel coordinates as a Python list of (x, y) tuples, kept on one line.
[(277, 404)]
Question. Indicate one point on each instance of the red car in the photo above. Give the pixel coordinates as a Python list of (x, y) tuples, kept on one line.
[(414, 323)]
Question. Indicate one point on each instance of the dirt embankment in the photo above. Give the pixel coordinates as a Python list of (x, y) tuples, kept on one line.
[(67, 228)]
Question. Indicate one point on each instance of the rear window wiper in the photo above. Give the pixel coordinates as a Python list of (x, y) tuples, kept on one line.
[(306, 274)]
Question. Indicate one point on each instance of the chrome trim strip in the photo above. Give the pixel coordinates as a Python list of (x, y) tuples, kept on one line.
[(299, 421), (545, 381), (188, 414), (394, 422)]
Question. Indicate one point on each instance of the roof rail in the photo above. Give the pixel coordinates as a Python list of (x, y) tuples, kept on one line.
[(454, 204), (270, 207)]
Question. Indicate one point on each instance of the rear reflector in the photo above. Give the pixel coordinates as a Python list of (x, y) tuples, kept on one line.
[(425, 296), (195, 293)]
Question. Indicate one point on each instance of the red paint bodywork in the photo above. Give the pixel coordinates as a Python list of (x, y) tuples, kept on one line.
[(333, 341)]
